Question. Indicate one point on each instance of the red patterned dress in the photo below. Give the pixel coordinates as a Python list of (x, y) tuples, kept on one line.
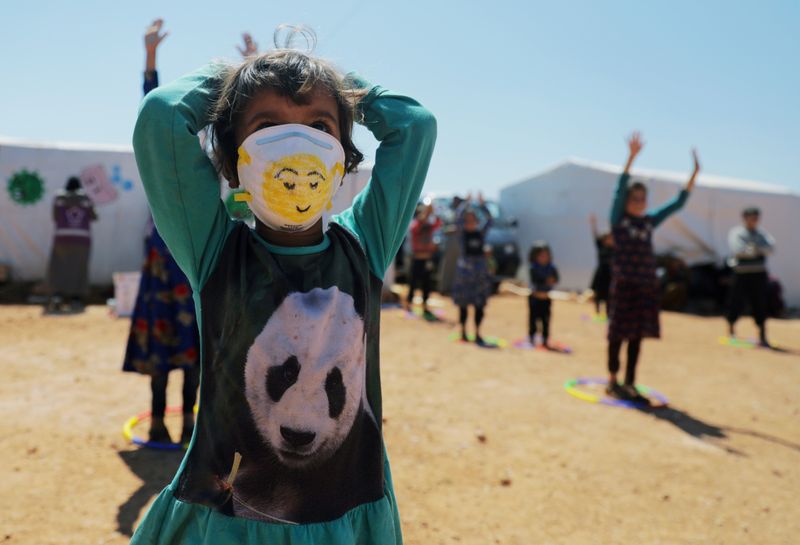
[(164, 332)]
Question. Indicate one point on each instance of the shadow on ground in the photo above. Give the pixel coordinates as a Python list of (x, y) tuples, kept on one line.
[(155, 468), (711, 433)]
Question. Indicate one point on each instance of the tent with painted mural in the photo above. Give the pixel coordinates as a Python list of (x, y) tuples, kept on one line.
[(32, 173), (555, 204)]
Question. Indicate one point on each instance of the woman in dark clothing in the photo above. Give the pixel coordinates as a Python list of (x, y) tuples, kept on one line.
[(68, 270)]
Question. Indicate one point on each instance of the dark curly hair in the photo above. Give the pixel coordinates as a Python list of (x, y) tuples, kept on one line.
[(537, 248), (290, 73)]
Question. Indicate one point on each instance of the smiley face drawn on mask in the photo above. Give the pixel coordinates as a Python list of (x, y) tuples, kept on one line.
[(298, 186), (291, 174)]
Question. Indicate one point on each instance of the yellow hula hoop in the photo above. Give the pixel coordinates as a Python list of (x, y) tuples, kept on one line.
[(132, 422), (570, 387)]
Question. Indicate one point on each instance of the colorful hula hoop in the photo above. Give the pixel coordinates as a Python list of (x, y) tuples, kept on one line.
[(132, 422), (738, 343), (491, 341), (571, 387), (555, 348)]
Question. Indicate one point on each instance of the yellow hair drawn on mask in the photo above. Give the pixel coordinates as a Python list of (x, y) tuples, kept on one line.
[(298, 186), (244, 159)]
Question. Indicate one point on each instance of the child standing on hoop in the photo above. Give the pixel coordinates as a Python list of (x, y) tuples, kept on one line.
[(544, 276), (288, 447), (163, 335), (472, 284), (633, 311), (423, 249)]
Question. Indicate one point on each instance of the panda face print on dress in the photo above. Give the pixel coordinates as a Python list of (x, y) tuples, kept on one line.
[(305, 376)]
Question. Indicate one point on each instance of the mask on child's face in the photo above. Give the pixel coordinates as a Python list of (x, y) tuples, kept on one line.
[(290, 174)]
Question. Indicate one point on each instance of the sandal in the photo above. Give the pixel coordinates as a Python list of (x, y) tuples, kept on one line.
[(634, 396), (616, 391)]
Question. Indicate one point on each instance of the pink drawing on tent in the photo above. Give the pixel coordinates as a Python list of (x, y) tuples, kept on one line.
[(97, 185)]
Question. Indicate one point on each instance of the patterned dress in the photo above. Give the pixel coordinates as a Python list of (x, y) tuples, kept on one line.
[(634, 304), (472, 284), (635, 299), (163, 332)]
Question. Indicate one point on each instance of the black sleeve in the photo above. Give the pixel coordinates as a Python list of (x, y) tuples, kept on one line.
[(150, 81)]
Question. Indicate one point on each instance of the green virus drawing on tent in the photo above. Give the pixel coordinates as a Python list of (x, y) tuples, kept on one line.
[(25, 187)]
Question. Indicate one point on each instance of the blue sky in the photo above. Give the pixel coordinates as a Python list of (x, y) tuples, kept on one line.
[(516, 86)]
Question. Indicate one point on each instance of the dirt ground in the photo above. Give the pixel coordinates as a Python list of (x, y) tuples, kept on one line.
[(486, 446)]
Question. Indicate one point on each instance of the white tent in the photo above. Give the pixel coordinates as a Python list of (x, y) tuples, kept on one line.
[(26, 224), (32, 173), (555, 206)]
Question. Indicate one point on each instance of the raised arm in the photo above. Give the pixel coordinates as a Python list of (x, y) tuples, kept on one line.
[(593, 225), (250, 47), (635, 145), (418, 223), (92, 212), (152, 39), (459, 212), (666, 210), (486, 214), (181, 183), (380, 214)]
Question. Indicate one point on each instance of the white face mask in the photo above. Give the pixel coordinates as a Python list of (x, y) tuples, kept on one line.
[(290, 174)]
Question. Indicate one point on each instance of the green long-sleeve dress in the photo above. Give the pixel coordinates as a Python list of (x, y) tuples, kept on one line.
[(289, 339)]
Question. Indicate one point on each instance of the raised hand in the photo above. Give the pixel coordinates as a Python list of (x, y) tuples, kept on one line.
[(250, 47), (481, 200), (693, 179), (635, 145), (593, 223), (153, 35), (425, 213)]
